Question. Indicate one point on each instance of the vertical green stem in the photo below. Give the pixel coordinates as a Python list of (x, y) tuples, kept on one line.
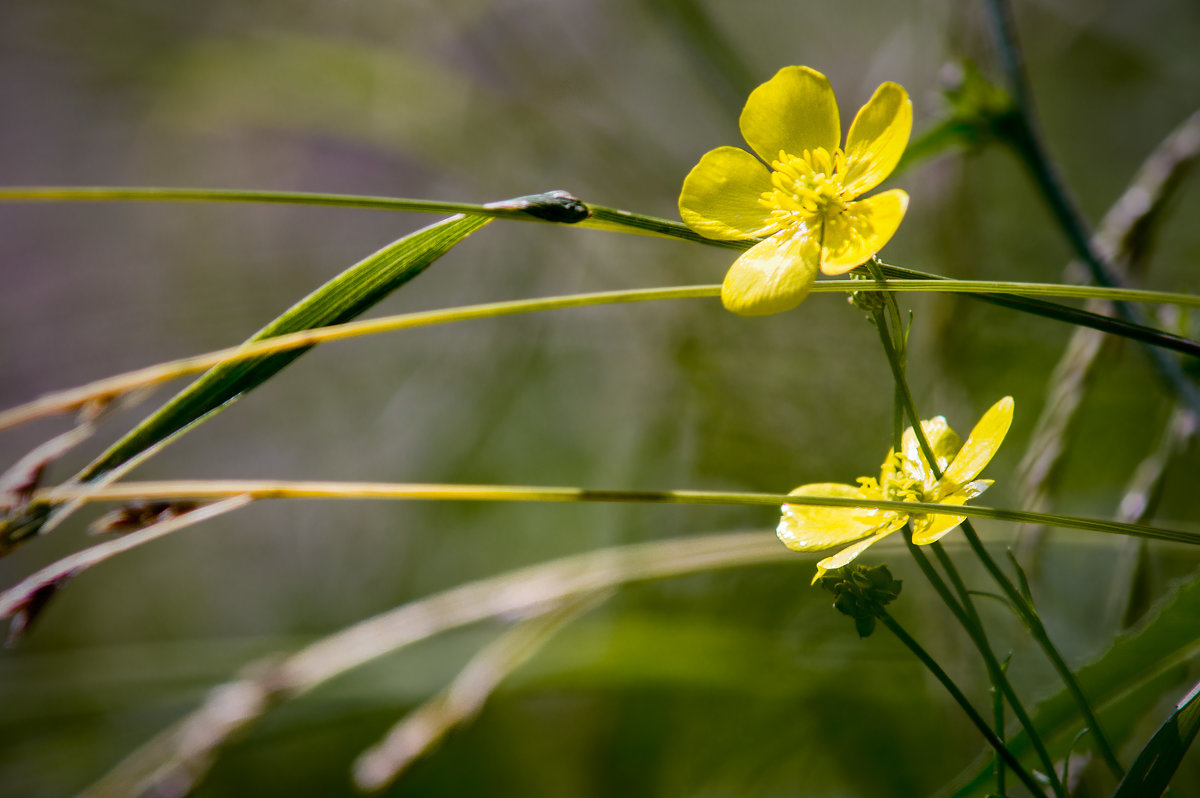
[(994, 741), (998, 723), (1024, 609), (965, 611)]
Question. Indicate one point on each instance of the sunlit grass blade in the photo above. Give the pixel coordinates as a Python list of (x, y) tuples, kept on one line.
[(74, 398), (213, 489), (561, 207), (339, 300)]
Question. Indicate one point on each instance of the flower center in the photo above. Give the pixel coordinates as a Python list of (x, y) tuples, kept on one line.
[(807, 187), (895, 483)]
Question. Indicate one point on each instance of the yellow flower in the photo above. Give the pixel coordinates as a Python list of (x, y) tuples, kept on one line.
[(906, 477), (805, 204)]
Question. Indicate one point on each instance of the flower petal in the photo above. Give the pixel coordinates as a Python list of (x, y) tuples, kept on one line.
[(772, 276), (931, 527), (793, 111), (944, 442), (720, 196), (853, 236), (877, 138), (843, 557), (982, 443), (807, 528)]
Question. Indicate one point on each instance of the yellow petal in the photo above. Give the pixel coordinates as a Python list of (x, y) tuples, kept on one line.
[(793, 111), (877, 138), (931, 527), (720, 196), (853, 236), (843, 557), (982, 443), (772, 276), (928, 528), (944, 442), (807, 528)]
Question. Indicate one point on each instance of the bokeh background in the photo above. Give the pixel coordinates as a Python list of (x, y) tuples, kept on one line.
[(732, 683)]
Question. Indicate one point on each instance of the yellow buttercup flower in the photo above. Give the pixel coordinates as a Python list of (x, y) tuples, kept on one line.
[(805, 204), (906, 477)]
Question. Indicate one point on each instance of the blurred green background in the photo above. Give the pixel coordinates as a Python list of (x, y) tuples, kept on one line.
[(738, 682)]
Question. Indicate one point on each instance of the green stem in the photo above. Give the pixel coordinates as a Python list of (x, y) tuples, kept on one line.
[(1028, 615), (1024, 610), (1068, 315), (598, 217), (1020, 130), (995, 667), (998, 745), (964, 607), (998, 722)]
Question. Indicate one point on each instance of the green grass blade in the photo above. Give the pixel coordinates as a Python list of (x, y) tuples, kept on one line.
[(1123, 682), (1156, 764), (344, 297), (557, 206)]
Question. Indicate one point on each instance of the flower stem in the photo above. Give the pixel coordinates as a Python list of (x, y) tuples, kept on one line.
[(963, 608), (1029, 616), (1025, 611), (1001, 750)]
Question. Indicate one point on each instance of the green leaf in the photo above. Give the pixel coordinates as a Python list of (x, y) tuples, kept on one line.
[(1123, 682), (1156, 764), (341, 299)]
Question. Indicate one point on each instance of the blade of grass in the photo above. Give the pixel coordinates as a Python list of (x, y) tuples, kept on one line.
[(1157, 650), (109, 387), (181, 754), (550, 207), (339, 300), (1159, 759), (203, 490)]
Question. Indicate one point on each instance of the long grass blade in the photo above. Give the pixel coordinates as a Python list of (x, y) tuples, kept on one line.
[(1159, 759), (211, 490), (339, 300)]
